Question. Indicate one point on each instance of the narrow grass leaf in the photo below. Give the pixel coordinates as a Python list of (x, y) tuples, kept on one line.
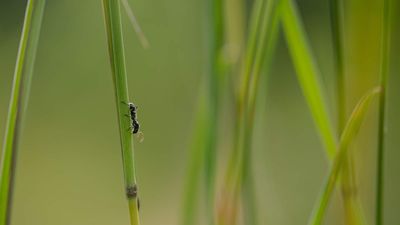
[(308, 74), (112, 18), (259, 50), (349, 133), (254, 27), (135, 24), (266, 46), (18, 102), (215, 41), (203, 153), (196, 161), (251, 47), (336, 13)]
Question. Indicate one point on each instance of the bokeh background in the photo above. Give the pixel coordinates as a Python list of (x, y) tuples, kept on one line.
[(69, 164)]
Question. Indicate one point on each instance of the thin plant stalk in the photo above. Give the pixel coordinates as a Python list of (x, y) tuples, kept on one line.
[(196, 161), (263, 58), (351, 203), (112, 16), (259, 50), (349, 133), (386, 32), (215, 42), (19, 102), (336, 12), (234, 26), (255, 20), (204, 152)]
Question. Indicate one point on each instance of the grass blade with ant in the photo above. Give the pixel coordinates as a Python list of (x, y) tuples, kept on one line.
[(112, 17)]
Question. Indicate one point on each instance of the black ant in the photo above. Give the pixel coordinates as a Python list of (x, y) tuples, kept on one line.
[(133, 116), (135, 123)]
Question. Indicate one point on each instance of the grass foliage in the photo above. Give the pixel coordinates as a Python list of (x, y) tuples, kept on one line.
[(261, 39), (236, 199)]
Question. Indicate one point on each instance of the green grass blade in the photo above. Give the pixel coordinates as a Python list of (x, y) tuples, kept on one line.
[(259, 50), (266, 41), (203, 154), (135, 24), (112, 18), (215, 42), (263, 58), (254, 27), (386, 32), (336, 12), (196, 162), (349, 133), (251, 46), (18, 102), (266, 48), (308, 74)]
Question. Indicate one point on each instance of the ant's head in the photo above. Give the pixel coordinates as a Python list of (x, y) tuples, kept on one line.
[(132, 106)]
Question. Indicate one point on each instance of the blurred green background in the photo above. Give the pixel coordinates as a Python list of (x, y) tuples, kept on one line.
[(69, 164)]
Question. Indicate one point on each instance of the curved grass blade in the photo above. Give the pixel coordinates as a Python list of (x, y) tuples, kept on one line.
[(349, 133), (132, 18), (112, 18), (18, 102)]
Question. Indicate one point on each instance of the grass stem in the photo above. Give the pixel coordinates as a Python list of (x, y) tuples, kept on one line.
[(385, 46), (351, 203), (260, 47), (215, 42), (336, 11), (196, 160), (112, 16)]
